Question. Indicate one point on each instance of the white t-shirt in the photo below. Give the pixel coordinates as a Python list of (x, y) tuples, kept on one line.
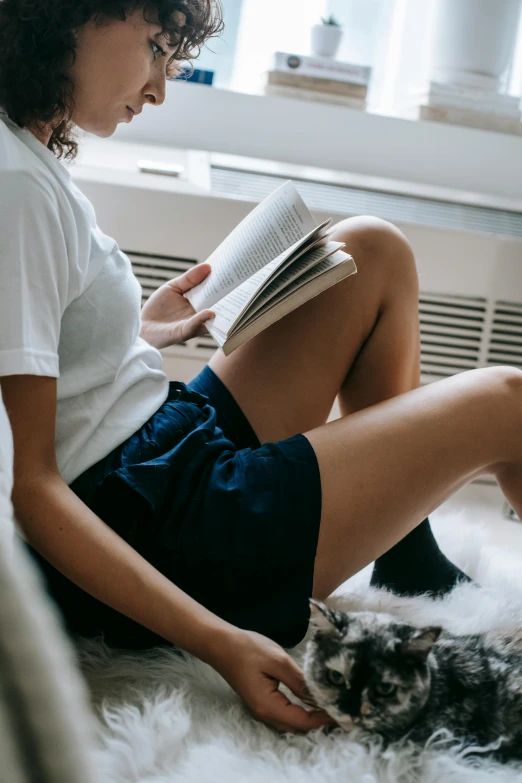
[(70, 306)]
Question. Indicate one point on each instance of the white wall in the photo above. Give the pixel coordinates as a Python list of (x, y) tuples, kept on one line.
[(281, 129)]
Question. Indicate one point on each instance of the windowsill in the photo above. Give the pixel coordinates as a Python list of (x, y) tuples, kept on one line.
[(371, 109), (483, 165)]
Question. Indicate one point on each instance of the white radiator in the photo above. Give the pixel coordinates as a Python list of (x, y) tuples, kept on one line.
[(469, 254)]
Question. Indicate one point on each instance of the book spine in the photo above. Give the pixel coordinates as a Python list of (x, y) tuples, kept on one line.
[(323, 67), (314, 96), (474, 93), (466, 118), (315, 83), (451, 102), (198, 75)]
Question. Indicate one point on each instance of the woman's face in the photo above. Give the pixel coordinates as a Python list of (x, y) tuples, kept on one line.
[(119, 67)]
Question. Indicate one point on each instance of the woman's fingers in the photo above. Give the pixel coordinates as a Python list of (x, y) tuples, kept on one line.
[(292, 676), (281, 712), (254, 666), (193, 327), (190, 278)]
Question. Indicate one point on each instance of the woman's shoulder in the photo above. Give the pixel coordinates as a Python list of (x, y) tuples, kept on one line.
[(34, 203), (20, 168), (33, 177)]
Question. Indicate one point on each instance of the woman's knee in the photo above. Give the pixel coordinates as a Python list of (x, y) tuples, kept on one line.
[(379, 249), (511, 377), (504, 380), (508, 382), (499, 390), (499, 387)]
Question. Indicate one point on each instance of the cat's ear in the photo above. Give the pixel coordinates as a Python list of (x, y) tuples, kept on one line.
[(421, 641), (324, 620)]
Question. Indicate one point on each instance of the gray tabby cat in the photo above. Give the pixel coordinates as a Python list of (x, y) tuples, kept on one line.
[(376, 672)]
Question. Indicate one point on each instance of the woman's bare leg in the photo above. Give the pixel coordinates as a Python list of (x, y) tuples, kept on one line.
[(360, 337), (387, 467)]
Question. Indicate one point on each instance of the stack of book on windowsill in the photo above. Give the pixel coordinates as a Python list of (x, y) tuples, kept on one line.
[(465, 105), (319, 79), (197, 75)]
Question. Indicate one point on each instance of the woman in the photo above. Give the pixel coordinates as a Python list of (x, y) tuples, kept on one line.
[(206, 515)]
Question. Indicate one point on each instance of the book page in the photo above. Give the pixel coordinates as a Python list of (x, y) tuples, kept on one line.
[(316, 238), (291, 272), (267, 231), (334, 259), (231, 308), (337, 272)]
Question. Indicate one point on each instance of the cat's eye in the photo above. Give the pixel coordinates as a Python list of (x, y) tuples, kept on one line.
[(335, 677), (386, 688)]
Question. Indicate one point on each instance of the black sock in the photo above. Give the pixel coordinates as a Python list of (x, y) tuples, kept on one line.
[(416, 565)]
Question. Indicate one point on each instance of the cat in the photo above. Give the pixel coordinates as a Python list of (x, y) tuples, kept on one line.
[(375, 672)]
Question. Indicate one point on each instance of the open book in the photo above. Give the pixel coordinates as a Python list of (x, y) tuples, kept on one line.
[(275, 260)]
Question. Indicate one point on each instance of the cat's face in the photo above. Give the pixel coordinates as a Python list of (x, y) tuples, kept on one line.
[(368, 670)]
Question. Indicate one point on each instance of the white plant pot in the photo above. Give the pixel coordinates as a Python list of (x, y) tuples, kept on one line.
[(474, 41), (325, 40)]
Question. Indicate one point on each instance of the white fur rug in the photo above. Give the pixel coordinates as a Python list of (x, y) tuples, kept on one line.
[(165, 718)]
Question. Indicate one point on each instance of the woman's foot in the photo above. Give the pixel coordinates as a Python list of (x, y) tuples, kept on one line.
[(415, 565)]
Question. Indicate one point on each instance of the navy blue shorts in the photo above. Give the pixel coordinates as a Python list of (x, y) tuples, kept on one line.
[(231, 522)]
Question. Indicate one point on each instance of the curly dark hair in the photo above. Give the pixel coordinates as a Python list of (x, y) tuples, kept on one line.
[(37, 44)]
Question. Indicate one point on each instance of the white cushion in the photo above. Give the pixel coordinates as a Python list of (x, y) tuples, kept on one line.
[(6, 477), (47, 728)]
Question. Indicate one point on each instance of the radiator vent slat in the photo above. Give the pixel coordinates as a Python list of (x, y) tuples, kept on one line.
[(465, 331), (473, 341), (505, 343), (515, 334), (441, 306), (515, 340), (504, 303), (470, 342), (153, 271), (442, 349), (511, 313), (452, 333), (346, 200), (497, 352), (461, 320), (507, 322), (162, 264), (444, 352)]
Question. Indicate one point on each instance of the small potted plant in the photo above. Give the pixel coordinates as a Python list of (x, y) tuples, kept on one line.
[(326, 37)]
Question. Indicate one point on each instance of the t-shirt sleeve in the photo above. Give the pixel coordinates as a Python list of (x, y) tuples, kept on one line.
[(34, 275)]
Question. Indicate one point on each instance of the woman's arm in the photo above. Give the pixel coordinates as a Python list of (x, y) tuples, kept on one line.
[(89, 553), (76, 542)]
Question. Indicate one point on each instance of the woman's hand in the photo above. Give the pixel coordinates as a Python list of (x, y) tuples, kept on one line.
[(167, 318), (253, 666)]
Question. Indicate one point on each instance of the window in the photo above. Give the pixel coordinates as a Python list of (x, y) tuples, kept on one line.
[(269, 26), (393, 36), (514, 84), (363, 24), (255, 30), (219, 53)]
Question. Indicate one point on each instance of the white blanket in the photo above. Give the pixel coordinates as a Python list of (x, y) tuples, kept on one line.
[(166, 719)]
